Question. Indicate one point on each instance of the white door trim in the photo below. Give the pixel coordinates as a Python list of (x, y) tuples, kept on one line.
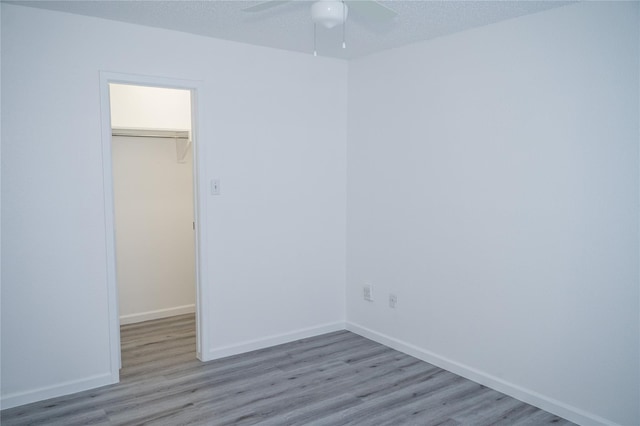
[(200, 208)]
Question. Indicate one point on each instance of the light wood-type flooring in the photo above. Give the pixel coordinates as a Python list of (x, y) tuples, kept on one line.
[(335, 379)]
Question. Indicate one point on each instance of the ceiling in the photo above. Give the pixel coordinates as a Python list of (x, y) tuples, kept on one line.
[(288, 26)]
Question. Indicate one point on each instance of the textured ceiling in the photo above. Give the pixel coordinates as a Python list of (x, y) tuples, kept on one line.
[(289, 26)]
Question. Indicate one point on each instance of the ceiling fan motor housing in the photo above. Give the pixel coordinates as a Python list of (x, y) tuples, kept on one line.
[(329, 12)]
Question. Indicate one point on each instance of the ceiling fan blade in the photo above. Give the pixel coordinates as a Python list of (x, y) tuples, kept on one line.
[(372, 10), (265, 5)]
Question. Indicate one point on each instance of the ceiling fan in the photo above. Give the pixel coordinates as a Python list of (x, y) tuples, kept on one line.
[(330, 13)]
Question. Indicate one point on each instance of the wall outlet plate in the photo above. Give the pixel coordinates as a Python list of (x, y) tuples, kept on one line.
[(393, 300), (367, 292)]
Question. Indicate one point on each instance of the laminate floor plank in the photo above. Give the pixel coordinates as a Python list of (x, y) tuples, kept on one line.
[(387, 409), (541, 418), (96, 417), (430, 403), (338, 378)]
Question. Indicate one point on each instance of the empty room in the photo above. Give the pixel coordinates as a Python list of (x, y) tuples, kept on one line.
[(399, 213)]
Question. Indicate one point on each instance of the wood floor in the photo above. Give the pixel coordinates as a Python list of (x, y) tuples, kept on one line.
[(335, 379)]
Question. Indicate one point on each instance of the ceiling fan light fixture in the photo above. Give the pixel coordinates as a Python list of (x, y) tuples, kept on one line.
[(329, 13)]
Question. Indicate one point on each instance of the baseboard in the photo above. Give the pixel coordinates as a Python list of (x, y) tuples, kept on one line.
[(66, 388), (277, 339), (157, 314), (551, 405)]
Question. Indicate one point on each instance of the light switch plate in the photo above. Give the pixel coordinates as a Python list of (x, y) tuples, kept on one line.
[(215, 186)]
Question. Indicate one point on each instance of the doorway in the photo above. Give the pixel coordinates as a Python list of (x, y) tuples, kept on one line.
[(156, 155), (152, 170)]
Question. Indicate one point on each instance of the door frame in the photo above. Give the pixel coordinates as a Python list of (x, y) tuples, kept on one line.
[(199, 208)]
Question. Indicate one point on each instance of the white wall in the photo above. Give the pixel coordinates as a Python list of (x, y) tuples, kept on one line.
[(276, 234), (153, 200), (493, 186), (153, 204), (142, 107)]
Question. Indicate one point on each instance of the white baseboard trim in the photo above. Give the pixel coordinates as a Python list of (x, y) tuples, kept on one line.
[(536, 399), (66, 388), (277, 339), (157, 314)]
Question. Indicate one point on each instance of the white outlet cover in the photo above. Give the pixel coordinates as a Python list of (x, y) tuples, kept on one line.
[(367, 292), (393, 300)]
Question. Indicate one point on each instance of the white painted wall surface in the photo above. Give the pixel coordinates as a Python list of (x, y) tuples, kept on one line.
[(155, 248), (493, 186), (276, 234), (142, 107)]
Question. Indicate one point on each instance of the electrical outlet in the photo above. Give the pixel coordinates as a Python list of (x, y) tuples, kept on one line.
[(393, 300), (367, 292)]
